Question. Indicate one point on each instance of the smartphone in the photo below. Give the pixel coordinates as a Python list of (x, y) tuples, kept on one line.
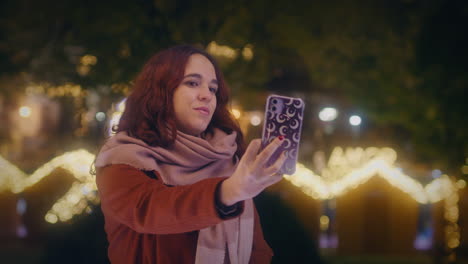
[(283, 117)]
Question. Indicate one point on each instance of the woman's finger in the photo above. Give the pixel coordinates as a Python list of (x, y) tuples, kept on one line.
[(268, 151), (276, 166), (252, 150)]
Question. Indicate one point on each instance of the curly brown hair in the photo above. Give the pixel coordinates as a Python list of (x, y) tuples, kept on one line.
[(149, 107)]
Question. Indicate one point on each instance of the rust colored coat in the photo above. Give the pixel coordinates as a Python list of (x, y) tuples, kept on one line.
[(147, 221)]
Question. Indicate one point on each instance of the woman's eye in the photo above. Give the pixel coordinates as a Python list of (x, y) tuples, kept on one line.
[(213, 90), (192, 83)]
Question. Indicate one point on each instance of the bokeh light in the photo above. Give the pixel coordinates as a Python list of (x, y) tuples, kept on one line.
[(236, 113), (255, 119), (100, 116), (328, 114), (355, 120), (25, 111)]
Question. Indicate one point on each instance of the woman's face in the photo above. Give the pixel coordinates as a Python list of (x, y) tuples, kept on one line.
[(195, 97)]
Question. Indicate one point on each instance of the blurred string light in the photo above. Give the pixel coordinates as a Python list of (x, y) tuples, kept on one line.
[(72, 90), (122, 88), (451, 214), (221, 50), (88, 60), (461, 184), (342, 161), (346, 176), (328, 114), (464, 168), (324, 222), (230, 53), (236, 113), (323, 188), (375, 162), (75, 201), (247, 52), (84, 67)]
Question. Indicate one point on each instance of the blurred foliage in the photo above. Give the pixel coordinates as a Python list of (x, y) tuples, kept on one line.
[(403, 62)]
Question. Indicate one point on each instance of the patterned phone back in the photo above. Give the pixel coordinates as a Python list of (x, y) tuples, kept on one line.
[(283, 116)]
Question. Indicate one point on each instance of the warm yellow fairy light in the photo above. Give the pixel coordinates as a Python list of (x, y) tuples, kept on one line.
[(461, 184), (451, 214), (88, 60), (355, 165), (324, 222), (344, 175), (348, 169), (247, 52), (51, 218), (221, 50), (122, 88), (310, 183), (464, 169), (83, 70), (72, 90), (74, 201), (342, 161), (236, 113)]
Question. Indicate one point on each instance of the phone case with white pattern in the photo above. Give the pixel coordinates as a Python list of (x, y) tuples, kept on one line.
[(283, 117)]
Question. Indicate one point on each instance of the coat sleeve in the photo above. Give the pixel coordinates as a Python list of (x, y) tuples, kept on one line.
[(149, 206), (261, 251)]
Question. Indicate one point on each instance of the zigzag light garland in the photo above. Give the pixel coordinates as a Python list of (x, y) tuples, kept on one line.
[(75, 201), (318, 188), (359, 168), (345, 171)]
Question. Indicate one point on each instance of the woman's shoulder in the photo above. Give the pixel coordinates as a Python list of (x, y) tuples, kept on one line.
[(122, 168), (116, 168)]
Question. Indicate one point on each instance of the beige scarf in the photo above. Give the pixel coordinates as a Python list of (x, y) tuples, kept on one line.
[(190, 160)]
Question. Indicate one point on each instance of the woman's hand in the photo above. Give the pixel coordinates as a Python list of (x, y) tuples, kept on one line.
[(252, 176)]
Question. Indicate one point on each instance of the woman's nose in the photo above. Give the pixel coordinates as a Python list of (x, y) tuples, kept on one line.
[(205, 93)]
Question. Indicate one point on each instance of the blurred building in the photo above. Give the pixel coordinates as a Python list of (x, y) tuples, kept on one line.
[(32, 121), (376, 218), (369, 207)]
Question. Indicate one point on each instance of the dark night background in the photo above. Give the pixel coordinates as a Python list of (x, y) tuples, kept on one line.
[(400, 64)]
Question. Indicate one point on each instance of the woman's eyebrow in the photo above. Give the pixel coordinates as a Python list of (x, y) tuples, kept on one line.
[(196, 75)]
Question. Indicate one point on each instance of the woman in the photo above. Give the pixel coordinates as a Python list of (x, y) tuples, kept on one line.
[(174, 182)]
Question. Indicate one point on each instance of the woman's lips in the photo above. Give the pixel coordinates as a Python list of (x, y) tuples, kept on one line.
[(203, 110)]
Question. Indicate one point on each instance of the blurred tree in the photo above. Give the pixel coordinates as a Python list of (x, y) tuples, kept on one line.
[(442, 64), (402, 62)]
